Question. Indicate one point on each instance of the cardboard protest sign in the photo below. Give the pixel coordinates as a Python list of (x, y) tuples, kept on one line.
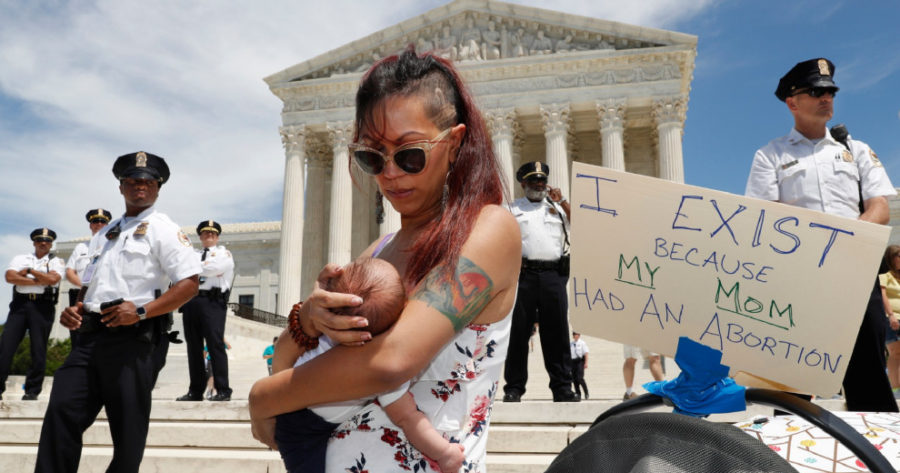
[(780, 290)]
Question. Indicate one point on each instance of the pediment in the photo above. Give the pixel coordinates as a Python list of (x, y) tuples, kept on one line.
[(477, 31)]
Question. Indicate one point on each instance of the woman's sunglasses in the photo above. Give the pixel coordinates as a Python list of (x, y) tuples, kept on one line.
[(410, 157)]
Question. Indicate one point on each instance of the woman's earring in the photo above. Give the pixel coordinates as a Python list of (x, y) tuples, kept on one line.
[(445, 195), (379, 207)]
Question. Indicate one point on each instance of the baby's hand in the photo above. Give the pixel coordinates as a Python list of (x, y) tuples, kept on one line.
[(452, 459)]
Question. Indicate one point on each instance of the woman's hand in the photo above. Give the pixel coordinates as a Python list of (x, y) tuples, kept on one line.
[(316, 316), (264, 431), (895, 324)]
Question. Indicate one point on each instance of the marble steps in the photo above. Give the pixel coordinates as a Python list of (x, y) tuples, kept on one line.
[(207, 436)]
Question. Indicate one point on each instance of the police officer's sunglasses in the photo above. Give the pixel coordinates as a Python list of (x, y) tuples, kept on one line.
[(816, 92), (410, 157)]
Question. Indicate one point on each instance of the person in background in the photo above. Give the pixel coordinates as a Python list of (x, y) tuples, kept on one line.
[(204, 316), (543, 217), (78, 260), (890, 295), (269, 353), (812, 168), (35, 277), (579, 351), (628, 368)]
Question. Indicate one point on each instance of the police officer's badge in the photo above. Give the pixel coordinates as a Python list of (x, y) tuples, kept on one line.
[(846, 156), (141, 160), (553, 211), (875, 159), (183, 238), (141, 230), (823, 68)]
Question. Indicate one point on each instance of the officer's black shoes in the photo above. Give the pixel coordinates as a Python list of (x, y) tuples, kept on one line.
[(190, 396), (566, 396), (29, 397), (221, 397), (512, 397)]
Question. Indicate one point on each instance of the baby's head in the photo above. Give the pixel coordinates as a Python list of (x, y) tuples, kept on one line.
[(381, 289)]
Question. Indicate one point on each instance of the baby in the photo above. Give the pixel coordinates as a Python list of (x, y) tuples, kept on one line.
[(302, 436)]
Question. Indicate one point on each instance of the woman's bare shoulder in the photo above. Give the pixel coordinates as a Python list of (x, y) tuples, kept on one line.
[(495, 237), (497, 218)]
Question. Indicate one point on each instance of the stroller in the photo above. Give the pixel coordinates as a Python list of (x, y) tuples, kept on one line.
[(626, 439)]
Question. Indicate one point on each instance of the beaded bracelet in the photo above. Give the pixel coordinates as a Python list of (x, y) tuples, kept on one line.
[(300, 338)]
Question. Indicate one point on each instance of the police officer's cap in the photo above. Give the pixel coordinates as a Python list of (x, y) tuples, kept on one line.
[(534, 169), (817, 72), (43, 234), (141, 165), (209, 226), (98, 214)]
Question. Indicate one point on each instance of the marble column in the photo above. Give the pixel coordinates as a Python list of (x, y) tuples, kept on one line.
[(669, 114), (339, 236), (316, 220), (291, 255), (611, 113), (502, 123), (391, 223), (555, 119)]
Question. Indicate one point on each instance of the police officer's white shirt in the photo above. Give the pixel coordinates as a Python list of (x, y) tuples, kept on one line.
[(578, 348), (820, 175), (79, 259), (217, 268), (45, 265), (541, 225), (150, 253)]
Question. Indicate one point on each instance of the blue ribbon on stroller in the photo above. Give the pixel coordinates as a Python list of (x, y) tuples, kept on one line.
[(703, 387)]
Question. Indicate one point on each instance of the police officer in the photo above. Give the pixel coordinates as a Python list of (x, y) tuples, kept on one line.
[(121, 324), (78, 260), (810, 168), (36, 278), (579, 351), (204, 316), (543, 217)]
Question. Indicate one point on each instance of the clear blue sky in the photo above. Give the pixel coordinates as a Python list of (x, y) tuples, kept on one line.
[(82, 82)]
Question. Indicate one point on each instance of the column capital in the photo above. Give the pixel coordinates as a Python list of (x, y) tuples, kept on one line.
[(611, 113), (555, 118), (669, 110), (502, 122), (340, 132), (292, 137), (318, 153)]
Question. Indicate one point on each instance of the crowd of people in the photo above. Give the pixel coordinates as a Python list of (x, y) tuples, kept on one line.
[(393, 361)]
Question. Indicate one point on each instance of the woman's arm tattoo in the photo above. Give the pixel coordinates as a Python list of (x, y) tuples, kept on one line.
[(461, 296)]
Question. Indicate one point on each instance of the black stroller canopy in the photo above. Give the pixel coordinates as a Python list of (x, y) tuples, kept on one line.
[(666, 442)]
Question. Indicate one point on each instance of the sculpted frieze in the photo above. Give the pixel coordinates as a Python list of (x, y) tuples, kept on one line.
[(476, 36)]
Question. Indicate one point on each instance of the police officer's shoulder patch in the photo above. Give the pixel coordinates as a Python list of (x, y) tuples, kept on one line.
[(183, 238), (875, 159)]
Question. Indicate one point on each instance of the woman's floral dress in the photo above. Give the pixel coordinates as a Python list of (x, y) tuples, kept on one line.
[(455, 391)]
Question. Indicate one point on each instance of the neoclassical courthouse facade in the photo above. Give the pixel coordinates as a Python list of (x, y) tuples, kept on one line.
[(553, 87)]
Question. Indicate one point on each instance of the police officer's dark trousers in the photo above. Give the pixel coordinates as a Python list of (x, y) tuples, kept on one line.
[(541, 298), (35, 316), (204, 320), (107, 368), (866, 386), (578, 377)]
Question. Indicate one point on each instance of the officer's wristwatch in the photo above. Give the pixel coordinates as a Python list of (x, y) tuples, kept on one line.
[(142, 313)]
